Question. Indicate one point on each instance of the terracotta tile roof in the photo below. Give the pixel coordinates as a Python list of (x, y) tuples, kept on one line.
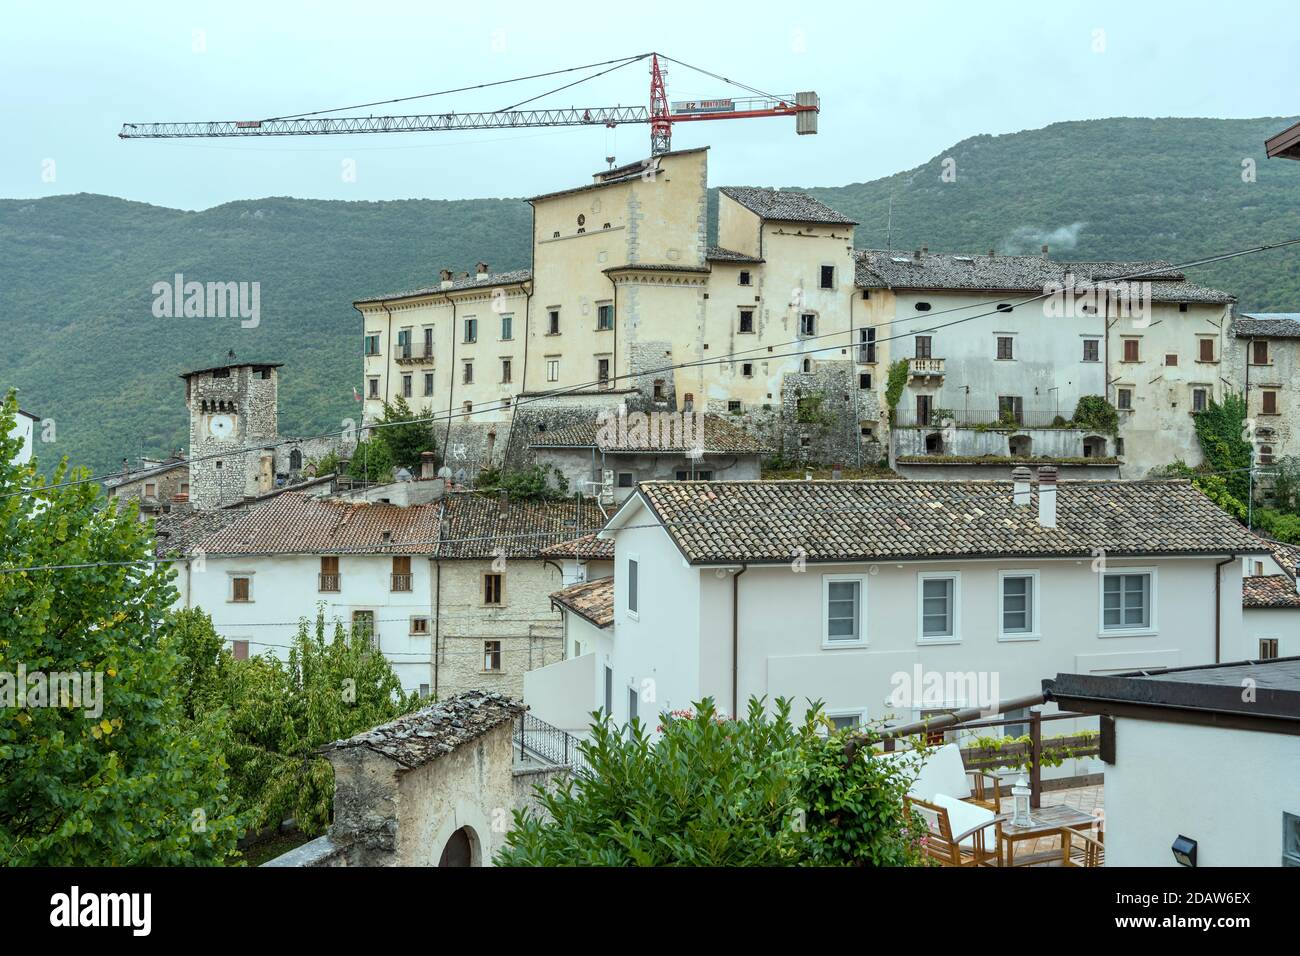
[(181, 531), (591, 600), (785, 205), (587, 548), (719, 254), (1269, 590), (775, 521), (720, 436), (1271, 325), (301, 524), (475, 526), (881, 269), (1286, 555)]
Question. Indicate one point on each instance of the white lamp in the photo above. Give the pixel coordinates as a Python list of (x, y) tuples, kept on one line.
[(1020, 794)]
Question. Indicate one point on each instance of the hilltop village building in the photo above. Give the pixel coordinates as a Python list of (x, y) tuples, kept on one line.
[(790, 331)]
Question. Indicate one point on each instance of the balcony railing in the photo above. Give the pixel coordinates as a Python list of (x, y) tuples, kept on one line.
[(989, 417), (866, 354), (412, 353), (920, 367), (536, 740), (401, 582), (329, 581)]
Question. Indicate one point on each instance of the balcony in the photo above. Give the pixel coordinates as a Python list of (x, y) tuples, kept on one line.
[(329, 582), (925, 367), (400, 582), (416, 353), (866, 354)]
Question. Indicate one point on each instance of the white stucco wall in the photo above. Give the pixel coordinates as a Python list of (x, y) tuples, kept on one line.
[(1226, 789), (24, 428), (1282, 624)]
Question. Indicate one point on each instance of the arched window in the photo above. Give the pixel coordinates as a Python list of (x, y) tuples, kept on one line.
[(460, 849), (934, 443), (1094, 446), (295, 460)]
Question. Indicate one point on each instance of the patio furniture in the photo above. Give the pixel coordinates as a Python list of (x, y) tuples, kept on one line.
[(1083, 849), (961, 833), (943, 772), (1049, 823)]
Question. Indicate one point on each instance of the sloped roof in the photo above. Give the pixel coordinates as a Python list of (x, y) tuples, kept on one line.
[(512, 277), (719, 254), (719, 437), (126, 477), (1270, 325), (590, 600), (776, 521), (785, 205), (295, 523), (477, 526), (882, 269), (180, 532), (587, 548), (1269, 591)]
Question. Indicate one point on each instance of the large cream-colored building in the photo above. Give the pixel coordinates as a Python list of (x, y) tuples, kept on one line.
[(786, 327)]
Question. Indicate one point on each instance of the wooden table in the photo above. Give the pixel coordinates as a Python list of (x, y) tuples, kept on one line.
[(1048, 821)]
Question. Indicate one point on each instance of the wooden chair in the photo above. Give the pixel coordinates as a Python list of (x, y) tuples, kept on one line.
[(1079, 848), (985, 790), (968, 848)]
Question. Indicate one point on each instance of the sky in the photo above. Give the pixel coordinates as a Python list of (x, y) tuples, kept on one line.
[(899, 83)]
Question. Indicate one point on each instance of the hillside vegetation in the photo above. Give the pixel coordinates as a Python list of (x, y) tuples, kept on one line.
[(83, 346)]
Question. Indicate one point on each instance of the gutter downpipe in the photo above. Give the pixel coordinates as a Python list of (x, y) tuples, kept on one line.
[(1218, 606), (735, 642)]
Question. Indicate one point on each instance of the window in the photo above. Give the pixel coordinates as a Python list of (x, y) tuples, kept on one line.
[(1124, 399), (239, 650), (1171, 359), (733, 406), (1131, 350), (553, 322), (609, 690), (744, 277), (864, 380), (924, 346), (241, 589), (428, 383), (507, 328), (631, 707), (404, 343), (602, 371), (363, 627), (1004, 347), (938, 610), (424, 690), (747, 369), (1090, 350), (604, 317), (658, 391), (746, 320), (1266, 454), (471, 330), (827, 277), (1207, 350), (150, 489), (1126, 601), (372, 343), (1268, 398), (1199, 399), (632, 586), (845, 720), (843, 606), (626, 479), (1267, 648), (552, 370), (685, 474), (1259, 353), (401, 580), (467, 375), (428, 342), (419, 625), (506, 369), (467, 407), (329, 573), (492, 656), (221, 373), (922, 307), (866, 345), (1019, 604), (1011, 408), (492, 589), (1016, 730), (406, 386), (807, 324), (374, 388)]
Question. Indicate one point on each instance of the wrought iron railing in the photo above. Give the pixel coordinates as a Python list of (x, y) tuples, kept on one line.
[(537, 740), (413, 352), (329, 581)]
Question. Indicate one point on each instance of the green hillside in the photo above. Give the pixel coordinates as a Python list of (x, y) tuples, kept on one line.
[(83, 346)]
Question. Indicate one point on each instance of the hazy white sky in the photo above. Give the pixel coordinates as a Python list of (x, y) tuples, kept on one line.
[(899, 82)]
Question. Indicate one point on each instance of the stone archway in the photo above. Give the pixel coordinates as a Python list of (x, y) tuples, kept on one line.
[(462, 849)]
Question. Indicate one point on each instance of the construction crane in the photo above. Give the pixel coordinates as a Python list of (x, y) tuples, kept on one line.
[(661, 114)]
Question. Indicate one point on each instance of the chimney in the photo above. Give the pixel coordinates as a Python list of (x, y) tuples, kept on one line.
[(444, 276), (503, 501), (917, 255), (1044, 248), (1020, 476), (125, 467), (427, 469), (993, 253), (925, 250), (837, 471), (482, 272), (1047, 496)]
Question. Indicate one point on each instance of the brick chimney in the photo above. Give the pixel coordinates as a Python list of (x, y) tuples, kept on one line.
[(482, 272), (1047, 496), (1020, 478)]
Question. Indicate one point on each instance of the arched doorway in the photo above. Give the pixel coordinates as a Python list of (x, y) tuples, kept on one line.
[(461, 849), (1020, 446)]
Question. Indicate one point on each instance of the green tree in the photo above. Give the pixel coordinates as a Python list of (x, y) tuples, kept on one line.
[(371, 460), (133, 783), (894, 386), (712, 791), (406, 433), (533, 483)]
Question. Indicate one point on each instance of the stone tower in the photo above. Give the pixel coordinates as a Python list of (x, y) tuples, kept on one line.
[(233, 430)]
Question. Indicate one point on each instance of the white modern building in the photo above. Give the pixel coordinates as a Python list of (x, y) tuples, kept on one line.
[(1203, 763), (1270, 603), (25, 425), (855, 592)]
